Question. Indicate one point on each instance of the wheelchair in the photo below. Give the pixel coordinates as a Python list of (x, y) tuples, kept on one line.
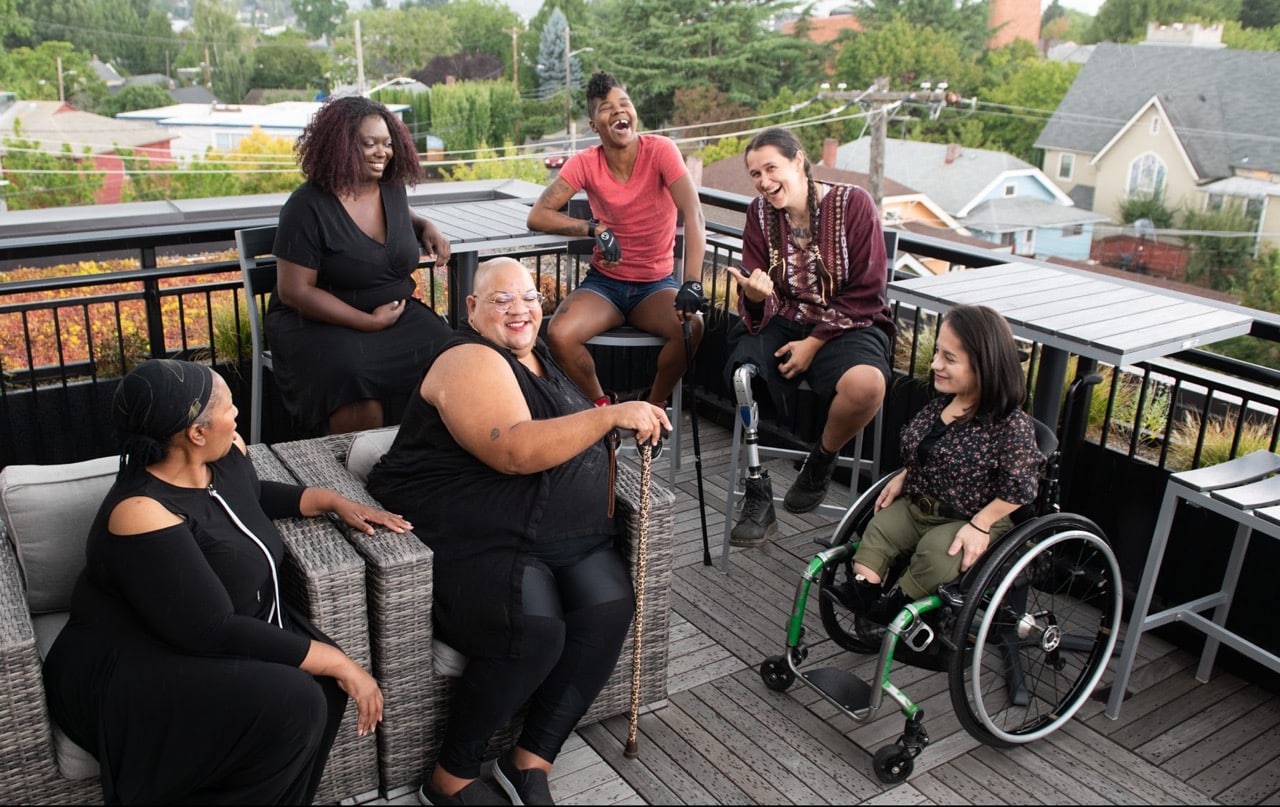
[(1024, 635)]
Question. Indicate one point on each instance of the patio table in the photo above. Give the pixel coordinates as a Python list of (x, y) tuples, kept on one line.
[(474, 228), (1076, 312)]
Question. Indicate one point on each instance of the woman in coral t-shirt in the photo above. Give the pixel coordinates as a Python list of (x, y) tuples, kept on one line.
[(636, 184)]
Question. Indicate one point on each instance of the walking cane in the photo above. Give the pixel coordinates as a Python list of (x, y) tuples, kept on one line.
[(690, 300), (642, 559)]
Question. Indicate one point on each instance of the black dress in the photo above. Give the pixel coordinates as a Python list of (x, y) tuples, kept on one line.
[(320, 367), (174, 670), (484, 525)]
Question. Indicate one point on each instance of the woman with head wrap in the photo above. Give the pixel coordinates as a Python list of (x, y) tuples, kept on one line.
[(181, 668)]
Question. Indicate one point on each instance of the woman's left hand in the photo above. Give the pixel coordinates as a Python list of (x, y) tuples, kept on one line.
[(435, 244), (363, 517), (973, 541)]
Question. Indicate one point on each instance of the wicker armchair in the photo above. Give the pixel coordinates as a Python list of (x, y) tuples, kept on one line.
[(400, 591), (324, 577)]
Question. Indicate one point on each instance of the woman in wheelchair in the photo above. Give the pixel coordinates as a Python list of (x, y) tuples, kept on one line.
[(970, 460)]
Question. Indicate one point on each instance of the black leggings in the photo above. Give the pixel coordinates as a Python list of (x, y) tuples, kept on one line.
[(575, 618)]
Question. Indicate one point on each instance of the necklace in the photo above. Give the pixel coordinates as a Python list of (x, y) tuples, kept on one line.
[(798, 232)]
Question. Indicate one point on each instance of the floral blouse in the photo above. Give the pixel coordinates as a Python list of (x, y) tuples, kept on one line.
[(973, 462)]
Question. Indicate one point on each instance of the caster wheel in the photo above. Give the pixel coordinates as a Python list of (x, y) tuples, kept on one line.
[(776, 674), (892, 765)]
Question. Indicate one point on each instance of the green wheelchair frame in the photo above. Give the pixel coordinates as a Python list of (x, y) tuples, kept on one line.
[(1024, 635)]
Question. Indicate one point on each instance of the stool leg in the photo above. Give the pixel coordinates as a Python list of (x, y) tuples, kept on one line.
[(1142, 603), (1234, 564)]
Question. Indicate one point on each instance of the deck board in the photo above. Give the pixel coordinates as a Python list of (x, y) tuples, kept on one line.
[(724, 738)]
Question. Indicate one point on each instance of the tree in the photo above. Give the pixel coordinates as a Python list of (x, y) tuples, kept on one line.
[(656, 47), (287, 61), (552, 57), (460, 67), (395, 42), (135, 96), (907, 54), (39, 178), (1260, 13), (966, 20), (154, 53), (319, 18), (1238, 38), (220, 36), (32, 73), (1027, 89), (487, 164), (1218, 261), (262, 163), (1126, 20)]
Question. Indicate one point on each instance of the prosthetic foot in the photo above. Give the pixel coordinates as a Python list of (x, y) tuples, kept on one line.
[(758, 521)]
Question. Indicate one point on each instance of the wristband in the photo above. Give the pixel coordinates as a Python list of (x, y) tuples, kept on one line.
[(979, 529), (591, 228)]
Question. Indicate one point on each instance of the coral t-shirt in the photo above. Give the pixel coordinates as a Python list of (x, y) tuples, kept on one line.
[(640, 211)]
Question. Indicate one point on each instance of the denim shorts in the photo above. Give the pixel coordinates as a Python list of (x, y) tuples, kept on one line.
[(624, 295)]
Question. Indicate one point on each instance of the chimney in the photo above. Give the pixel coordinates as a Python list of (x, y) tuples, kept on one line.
[(829, 147), (953, 153)]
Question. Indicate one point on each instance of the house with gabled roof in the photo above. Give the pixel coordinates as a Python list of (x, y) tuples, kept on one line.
[(102, 141), (995, 196), (1195, 125)]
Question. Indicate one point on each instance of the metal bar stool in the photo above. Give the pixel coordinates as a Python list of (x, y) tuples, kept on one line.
[(1245, 490)]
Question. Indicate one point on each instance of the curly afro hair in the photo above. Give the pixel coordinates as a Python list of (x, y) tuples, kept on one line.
[(329, 151), (598, 87)]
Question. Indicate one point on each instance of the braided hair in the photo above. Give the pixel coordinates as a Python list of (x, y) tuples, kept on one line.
[(788, 145)]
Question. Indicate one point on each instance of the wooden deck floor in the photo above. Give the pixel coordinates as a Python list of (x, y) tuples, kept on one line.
[(723, 738)]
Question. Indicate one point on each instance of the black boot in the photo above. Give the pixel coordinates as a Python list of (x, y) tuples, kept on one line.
[(883, 610), (810, 487), (758, 521), (858, 594)]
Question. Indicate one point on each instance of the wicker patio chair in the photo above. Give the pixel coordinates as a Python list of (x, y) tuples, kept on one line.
[(324, 577), (400, 591)]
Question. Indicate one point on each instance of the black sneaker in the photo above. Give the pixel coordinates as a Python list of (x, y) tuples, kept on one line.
[(522, 787), (810, 487), (478, 792), (758, 521)]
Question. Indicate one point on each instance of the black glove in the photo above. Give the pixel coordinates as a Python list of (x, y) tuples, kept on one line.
[(608, 243)]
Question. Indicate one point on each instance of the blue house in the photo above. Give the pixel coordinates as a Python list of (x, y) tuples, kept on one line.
[(997, 197)]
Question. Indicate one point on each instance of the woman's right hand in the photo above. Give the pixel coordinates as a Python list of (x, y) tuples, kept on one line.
[(645, 419), (757, 285), (891, 491), (385, 315), (361, 687)]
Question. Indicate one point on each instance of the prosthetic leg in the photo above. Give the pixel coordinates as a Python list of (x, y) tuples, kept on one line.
[(758, 521)]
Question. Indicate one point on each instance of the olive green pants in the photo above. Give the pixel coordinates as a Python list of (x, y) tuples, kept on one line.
[(902, 528)]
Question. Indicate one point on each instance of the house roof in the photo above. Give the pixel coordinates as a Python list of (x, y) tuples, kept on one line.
[(1019, 212), (730, 174), (953, 183), (1215, 100), (54, 123)]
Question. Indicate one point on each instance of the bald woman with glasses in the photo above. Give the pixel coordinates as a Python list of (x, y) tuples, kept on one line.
[(502, 466)]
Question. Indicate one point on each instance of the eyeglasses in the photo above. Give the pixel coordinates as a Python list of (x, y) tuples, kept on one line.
[(503, 302)]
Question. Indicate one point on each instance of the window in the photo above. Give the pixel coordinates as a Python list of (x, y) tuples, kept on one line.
[(1066, 166), (1072, 230), (1253, 208), (227, 141), (1215, 201), (1010, 189), (1146, 176), (1155, 125), (1006, 239)]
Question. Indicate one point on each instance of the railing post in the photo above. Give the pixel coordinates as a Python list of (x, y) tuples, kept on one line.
[(155, 313)]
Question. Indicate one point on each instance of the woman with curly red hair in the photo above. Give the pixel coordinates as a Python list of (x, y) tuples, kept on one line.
[(347, 334)]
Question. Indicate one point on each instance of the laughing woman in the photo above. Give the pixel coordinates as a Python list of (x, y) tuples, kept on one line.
[(348, 335)]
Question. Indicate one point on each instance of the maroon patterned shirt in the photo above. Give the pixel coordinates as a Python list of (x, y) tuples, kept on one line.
[(836, 285)]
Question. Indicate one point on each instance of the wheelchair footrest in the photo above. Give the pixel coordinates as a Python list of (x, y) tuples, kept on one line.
[(844, 688)]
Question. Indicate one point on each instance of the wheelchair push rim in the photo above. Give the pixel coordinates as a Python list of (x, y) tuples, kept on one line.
[(1038, 650)]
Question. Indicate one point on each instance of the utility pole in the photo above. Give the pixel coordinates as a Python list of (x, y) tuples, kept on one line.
[(515, 59), (359, 60), (878, 97), (568, 93), (61, 96)]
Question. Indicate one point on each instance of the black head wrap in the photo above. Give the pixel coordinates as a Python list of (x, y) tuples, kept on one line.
[(155, 401)]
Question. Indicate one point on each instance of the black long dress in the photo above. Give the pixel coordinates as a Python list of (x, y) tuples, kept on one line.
[(174, 670), (320, 367)]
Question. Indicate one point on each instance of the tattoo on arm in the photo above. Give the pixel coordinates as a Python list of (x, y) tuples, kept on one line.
[(495, 433)]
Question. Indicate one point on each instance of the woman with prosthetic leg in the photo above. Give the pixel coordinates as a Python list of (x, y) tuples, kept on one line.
[(813, 308), (758, 521)]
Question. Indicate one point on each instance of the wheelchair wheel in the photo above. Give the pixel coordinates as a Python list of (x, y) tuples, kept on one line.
[(838, 620), (1038, 625), (776, 674)]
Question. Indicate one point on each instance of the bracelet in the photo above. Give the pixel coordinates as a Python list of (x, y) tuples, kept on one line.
[(591, 228), (979, 529)]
